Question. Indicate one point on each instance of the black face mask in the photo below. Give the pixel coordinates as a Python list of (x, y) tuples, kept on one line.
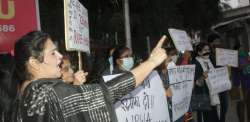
[(206, 54)]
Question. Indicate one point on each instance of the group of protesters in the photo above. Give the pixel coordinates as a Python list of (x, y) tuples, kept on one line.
[(40, 84), (203, 57)]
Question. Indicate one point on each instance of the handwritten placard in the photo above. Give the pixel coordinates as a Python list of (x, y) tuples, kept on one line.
[(181, 83), (181, 73), (147, 103), (218, 80), (226, 57), (181, 40), (76, 26)]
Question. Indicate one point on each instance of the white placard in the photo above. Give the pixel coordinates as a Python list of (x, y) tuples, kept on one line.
[(147, 103), (182, 80), (226, 57), (76, 26), (218, 80), (181, 73), (181, 40), (110, 77)]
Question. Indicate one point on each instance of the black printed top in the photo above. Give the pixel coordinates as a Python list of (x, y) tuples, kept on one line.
[(51, 100)]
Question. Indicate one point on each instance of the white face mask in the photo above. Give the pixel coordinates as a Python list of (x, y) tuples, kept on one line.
[(127, 63), (171, 65)]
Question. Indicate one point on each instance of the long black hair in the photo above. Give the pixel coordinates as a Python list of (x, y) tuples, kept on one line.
[(12, 76), (30, 45)]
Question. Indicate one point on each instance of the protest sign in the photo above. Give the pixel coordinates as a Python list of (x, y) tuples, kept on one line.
[(181, 83), (181, 74), (218, 80), (76, 26), (147, 103), (226, 57), (17, 17), (181, 40)]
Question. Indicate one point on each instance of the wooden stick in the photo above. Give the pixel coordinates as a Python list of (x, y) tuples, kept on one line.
[(79, 60)]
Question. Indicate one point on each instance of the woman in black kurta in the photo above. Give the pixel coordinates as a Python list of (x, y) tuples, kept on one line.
[(51, 100)]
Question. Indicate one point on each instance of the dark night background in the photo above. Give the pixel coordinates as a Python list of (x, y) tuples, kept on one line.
[(147, 18)]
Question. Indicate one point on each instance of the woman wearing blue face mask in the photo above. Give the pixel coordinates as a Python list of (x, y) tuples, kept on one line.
[(122, 59)]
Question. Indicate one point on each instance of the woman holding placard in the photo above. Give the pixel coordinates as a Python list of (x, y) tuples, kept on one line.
[(68, 75), (202, 102)]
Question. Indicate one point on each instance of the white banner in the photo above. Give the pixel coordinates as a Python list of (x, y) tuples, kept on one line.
[(226, 57), (181, 74), (218, 80), (181, 83), (181, 40), (147, 103), (76, 26)]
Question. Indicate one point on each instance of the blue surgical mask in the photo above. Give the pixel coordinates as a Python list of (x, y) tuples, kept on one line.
[(127, 63)]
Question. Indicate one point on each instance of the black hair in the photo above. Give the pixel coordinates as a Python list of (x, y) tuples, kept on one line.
[(108, 51), (237, 46), (200, 46), (169, 50), (30, 45), (118, 53), (212, 36), (12, 76), (71, 56)]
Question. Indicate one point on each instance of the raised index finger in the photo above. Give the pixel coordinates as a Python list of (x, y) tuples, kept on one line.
[(160, 43)]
